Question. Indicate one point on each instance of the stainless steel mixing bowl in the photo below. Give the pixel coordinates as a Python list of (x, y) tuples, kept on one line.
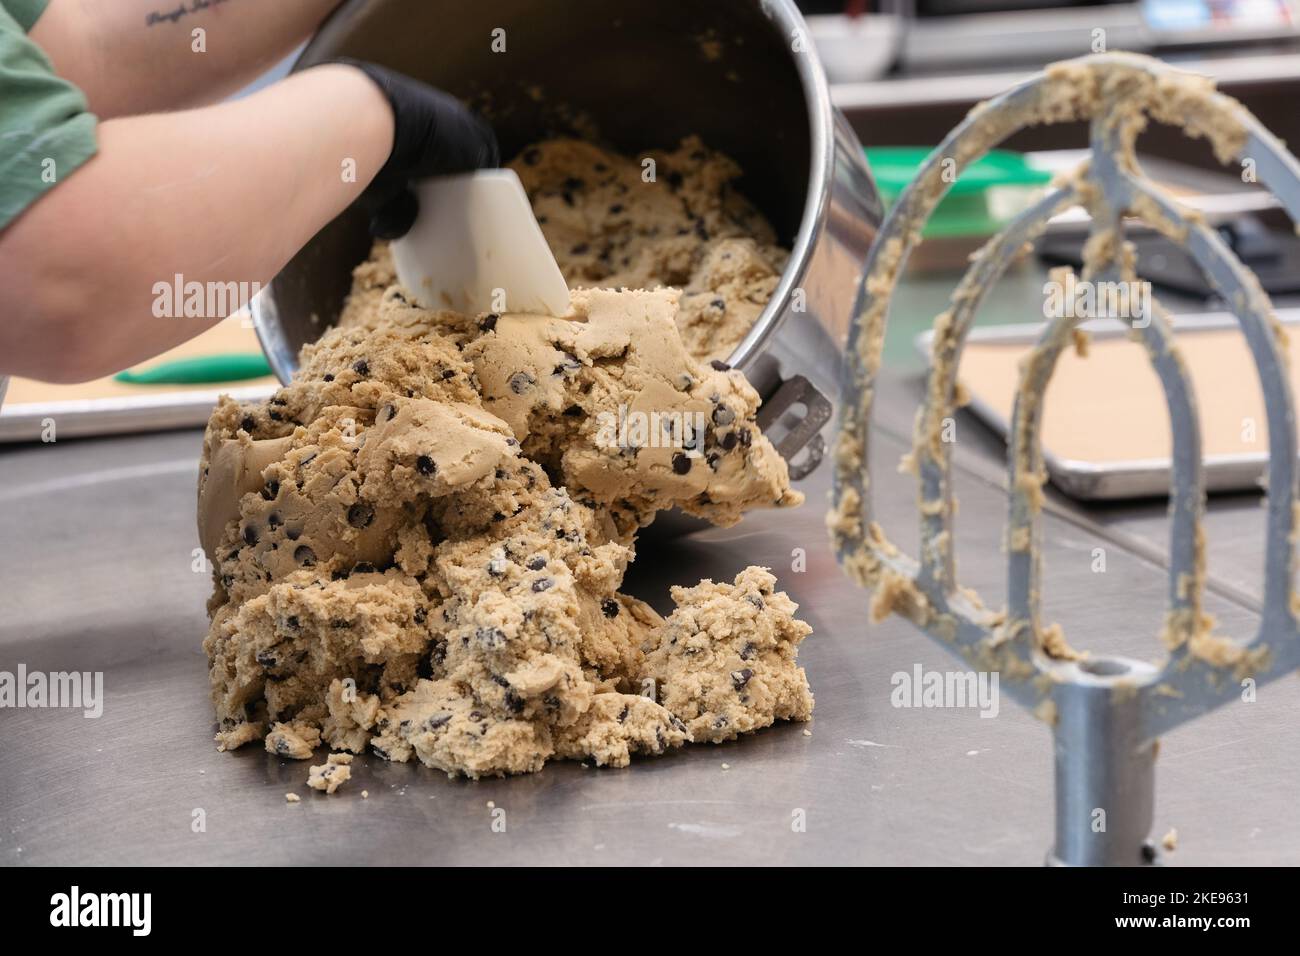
[(741, 74)]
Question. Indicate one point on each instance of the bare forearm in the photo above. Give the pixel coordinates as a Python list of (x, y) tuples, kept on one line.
[(223, 194), (140, 56)]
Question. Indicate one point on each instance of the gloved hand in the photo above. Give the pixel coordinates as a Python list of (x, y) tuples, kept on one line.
[(434, 134)]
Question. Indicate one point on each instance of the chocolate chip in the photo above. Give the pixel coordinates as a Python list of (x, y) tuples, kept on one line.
[(746, 437), (250, 534), (722, 415), (573, 184), (386, 413), (272, 490), (674, 179), (568, 364), (521, 382), (275, 416), (537, 563), (581, 249), (363, 567), (425, 465), (496, 567), (305, 556), (623, 715), (728, 441), (490, 637), (361, 367), (361, 514), (609, 607), (489, 322), (681, 463), (448, 373), (720, 365), (747, 652), (328, 377), (543, 584), (740, 678), (421, 615), (755, 600), (573, 411), (247, 423), (615, 209), (436, 721)]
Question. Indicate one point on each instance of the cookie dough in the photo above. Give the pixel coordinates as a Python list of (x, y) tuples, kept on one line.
[(332, 774), (726, 657), (418, 543), (668, 218)]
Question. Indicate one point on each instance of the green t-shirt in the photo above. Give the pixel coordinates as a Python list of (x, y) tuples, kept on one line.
[(46, 129)]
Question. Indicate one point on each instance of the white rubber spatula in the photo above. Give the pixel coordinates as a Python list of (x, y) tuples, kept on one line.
[(476, 247)]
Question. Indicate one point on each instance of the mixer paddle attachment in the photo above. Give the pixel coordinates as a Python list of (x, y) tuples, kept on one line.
[(1107, 713)]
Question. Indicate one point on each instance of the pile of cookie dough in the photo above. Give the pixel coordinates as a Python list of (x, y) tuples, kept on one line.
[(418, 543)]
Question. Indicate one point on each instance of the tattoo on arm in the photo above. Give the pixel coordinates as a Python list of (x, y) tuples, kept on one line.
[(183, 9)]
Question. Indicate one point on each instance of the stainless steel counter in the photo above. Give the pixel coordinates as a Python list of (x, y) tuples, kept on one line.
[(95, 574)]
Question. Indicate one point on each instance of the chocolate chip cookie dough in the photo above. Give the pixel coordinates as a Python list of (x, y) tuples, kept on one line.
[(664, 219), (418, 543)]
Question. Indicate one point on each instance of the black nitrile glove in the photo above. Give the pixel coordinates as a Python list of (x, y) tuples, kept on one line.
[(434, 134)]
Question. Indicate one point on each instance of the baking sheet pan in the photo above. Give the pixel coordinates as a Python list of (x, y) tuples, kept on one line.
[(109, 407), (26, 421), (1129, 478)]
